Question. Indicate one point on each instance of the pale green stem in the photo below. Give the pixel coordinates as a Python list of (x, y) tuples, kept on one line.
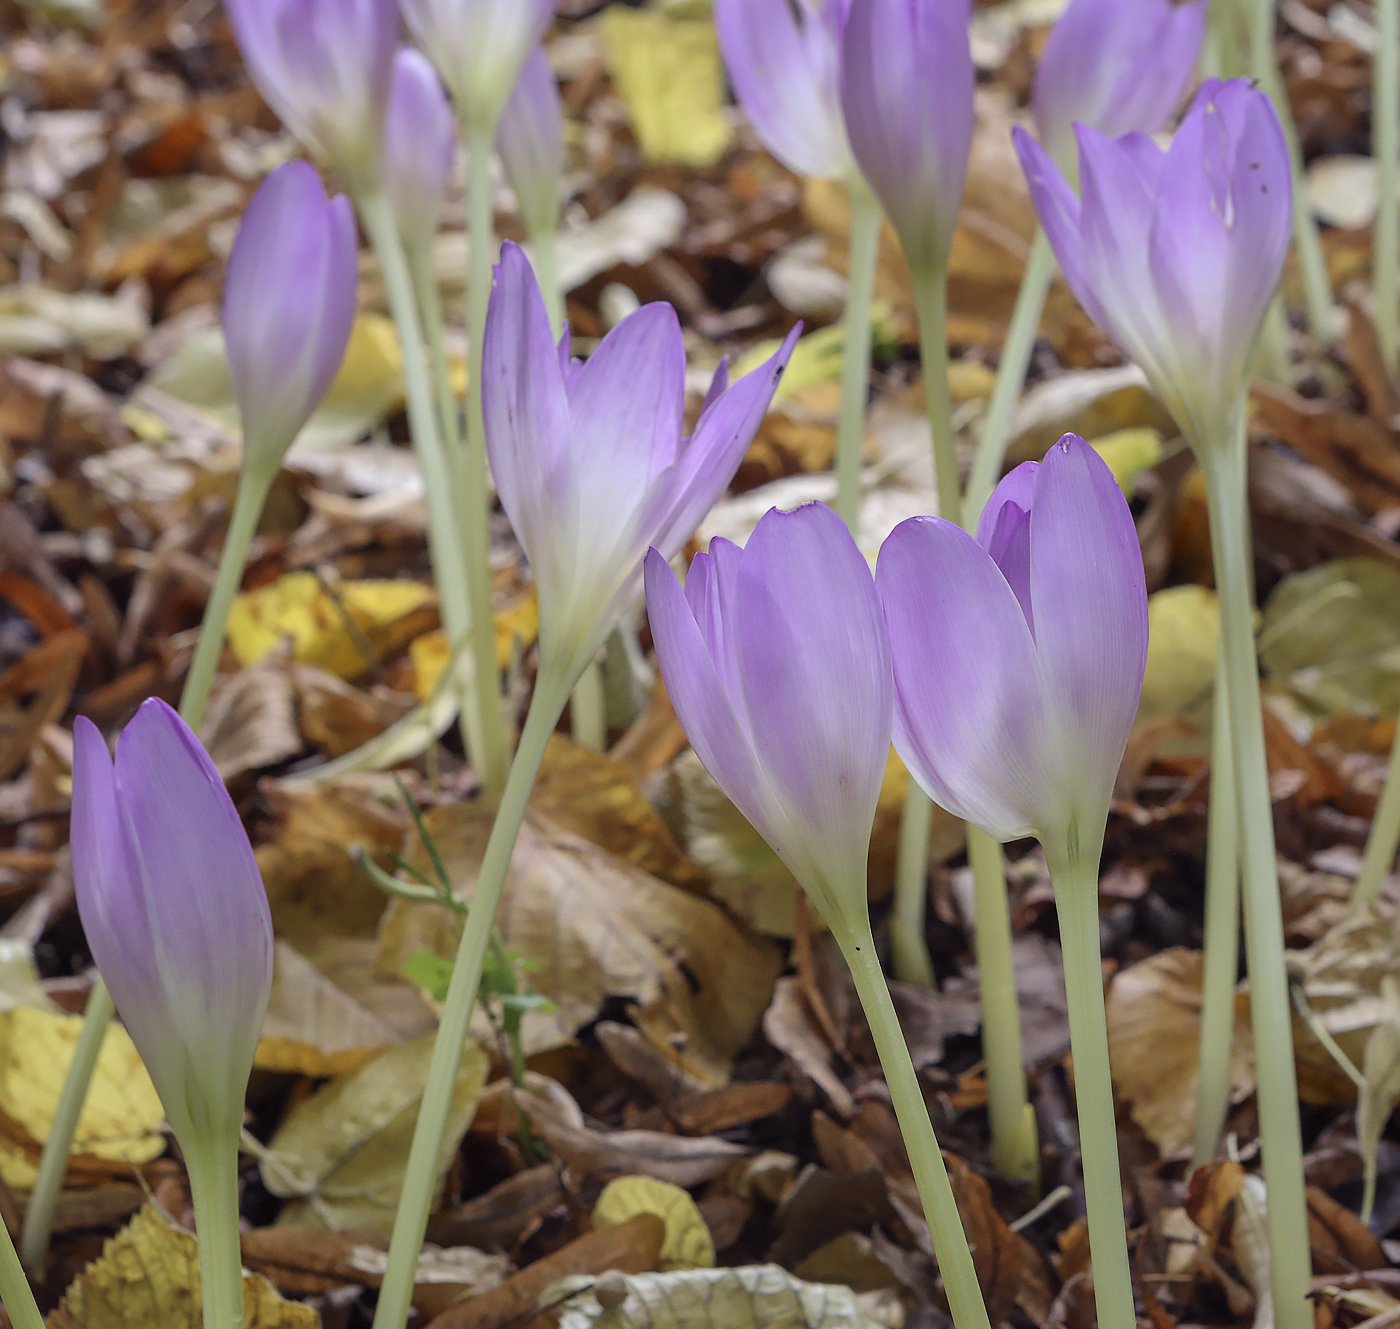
[(1074, 871), (446, 535), (1015, 1142), (194, 698), (908, 951), (1385, 139), (213, 1173), (931, 303), (476, 532), (1317, 285), (862, 259), (1011, 378), (544, 258), (1223, 467), (588, 709), (930, 1175), (424, 1159), (16, 1296), (1222, 935), (1385, 833)]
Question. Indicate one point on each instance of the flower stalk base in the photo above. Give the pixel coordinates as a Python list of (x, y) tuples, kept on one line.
[(863, 258), (16, 1296), (213, 1173), (1384, 836), (1385, 131)]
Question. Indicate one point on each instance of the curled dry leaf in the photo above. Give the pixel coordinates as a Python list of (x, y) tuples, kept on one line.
[(688, 1244)]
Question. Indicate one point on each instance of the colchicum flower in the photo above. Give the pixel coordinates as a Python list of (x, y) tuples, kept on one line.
[(907, 84), (530, 140), (479, 47), (174, 910), (777, 661), (420, 139), (784, 62), (589, 458), (289, 305), (1116, 67), (1176, 254), (1019, 655), (324, 66)]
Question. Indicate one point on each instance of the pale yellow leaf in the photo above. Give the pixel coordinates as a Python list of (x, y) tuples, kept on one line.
[(688, 1244)]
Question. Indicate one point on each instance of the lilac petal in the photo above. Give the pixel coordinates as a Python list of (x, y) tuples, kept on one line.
[(1090, 612), (816, 681), (525, 409), (1009, 544), (782, 60), (420, 141), (530, 141), (1148, 90), (701, 702), (1018, 487), (711, 591), (969, 707)]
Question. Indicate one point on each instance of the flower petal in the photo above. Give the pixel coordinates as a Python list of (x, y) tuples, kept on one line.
[(1018, 487)]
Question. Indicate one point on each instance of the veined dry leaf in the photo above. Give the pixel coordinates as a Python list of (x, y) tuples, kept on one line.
[(688, 1244), (251, 721), (1154, 1028), (1088, 402), (340, 1155), (121, 1117), (149, 1275), (596, 927)]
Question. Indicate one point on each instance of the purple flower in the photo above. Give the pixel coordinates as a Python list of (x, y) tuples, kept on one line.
[(784, 62), (1176, 254), (907, 83), (175, 913), (420, 138), (530, 139), (289, 305), (589, 459), (777, 661), (324, 66), (479, 47), (1118, 66), (1019, 655)]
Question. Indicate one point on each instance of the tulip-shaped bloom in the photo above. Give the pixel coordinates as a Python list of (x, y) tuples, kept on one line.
[(907, 85), (784, 61), (1176, 254), (1118, 66), (777, 661), (420, 138), (1019, 655), (175, 913), (530, 140), (479, 47), (289, 305), (324, 66), (589, 459)]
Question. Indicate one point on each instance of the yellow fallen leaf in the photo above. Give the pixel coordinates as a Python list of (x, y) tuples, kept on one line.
[(1183, 625), (346, 633), (816, 358), (148, 1274), (667, 68), (121, 1118), (517, 626), (688, 1244)]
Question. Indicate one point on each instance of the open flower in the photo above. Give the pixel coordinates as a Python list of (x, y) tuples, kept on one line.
[(590, 459), (1176, 254), (324, 66), (420, 140), (784, 62), (1116, 67), (777, 661), (1019, 655), (907, 85), (479, 47), (530, 140), (289, 306), (175, 912)]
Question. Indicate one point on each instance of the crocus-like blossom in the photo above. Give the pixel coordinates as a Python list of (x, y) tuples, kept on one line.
[(175, 913), (530, 140), (1019, 655), (907, 85), (289, 305), (590, 460), (420, 140), (324, 66), (1118, 66), (784, 61), (479, 47), (777, 661), (1176, 254)]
